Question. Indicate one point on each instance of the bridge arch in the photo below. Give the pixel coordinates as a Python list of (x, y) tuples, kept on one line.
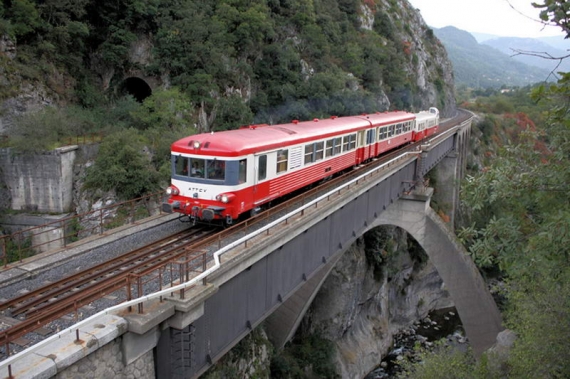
[(477, 309)]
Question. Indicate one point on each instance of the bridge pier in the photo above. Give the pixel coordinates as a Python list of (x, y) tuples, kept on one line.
[(448, 173), (447, 193)]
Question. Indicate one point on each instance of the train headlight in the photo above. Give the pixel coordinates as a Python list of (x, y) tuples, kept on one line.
[(172, 191), (225, 197), (196, 144)]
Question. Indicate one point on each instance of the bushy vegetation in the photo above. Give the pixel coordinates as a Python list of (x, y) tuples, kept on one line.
[(134, 154), (280, 53), (309, 357), (227, 63), (123, 166)]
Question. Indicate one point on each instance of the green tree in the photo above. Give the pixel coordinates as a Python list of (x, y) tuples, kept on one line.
[(444, 362), (123, 165), (25, 19), (232, 112), (164, 109), (555, 11)]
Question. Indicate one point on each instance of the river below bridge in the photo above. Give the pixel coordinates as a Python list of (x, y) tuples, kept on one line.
[(439, 324)]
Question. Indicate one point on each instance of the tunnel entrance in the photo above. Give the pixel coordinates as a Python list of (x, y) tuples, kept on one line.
[(137, 88)]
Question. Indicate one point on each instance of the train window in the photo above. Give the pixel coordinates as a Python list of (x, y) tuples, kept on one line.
[(329, 151), (181, 166), (282, 156), (262, 167), (319, 146), (349, 142), (345, 143), (242, 171), (383, 132), (399, 128), (216, 169), (370, 134), (337, 146), (309, 153), (197, 168), (390, 130)]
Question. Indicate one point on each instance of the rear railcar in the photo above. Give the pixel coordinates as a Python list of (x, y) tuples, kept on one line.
[(427, 123)]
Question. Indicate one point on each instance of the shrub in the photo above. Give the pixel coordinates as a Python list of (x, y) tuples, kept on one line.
[(123, 165)]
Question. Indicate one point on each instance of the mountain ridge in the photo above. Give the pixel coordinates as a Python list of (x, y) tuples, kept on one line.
[(483, 66), (532, 52)]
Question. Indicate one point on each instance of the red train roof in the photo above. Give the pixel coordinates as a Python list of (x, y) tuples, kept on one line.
[(256, 138)]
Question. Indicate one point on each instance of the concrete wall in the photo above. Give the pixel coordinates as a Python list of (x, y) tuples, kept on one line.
[(108, 362), (448, 175), (48, 233), (41, 182)]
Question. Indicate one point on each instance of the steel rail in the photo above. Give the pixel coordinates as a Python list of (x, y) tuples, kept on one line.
[(20, 304), (69, 300)]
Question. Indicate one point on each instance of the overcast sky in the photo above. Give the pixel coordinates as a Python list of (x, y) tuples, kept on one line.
[(486, 16)]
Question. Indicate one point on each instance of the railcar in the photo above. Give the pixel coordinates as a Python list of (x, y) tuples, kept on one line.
[(223, 175)]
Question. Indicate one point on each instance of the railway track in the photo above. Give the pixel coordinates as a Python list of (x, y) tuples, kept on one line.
[(40, 306), (168, 259)]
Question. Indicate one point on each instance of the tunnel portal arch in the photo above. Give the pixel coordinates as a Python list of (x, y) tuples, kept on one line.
[(136, 87)]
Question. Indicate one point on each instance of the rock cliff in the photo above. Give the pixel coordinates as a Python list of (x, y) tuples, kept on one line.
[(361, 306)]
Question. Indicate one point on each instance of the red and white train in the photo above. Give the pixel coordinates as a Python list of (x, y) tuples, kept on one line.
[(222, 175)]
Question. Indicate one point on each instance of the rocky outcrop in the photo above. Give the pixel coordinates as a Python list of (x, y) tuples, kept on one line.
[(19, 95), (427, 61), (248, 359)]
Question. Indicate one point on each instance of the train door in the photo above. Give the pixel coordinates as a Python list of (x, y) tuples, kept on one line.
[(376, 149), (260, 184), (370, 143), (420, 131), (361, 145)]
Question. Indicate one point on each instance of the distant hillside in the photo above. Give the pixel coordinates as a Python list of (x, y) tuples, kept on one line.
[(557, 42), (509, 46), (477, 65)]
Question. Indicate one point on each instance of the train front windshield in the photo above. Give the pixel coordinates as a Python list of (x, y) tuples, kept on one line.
[(198, 168)]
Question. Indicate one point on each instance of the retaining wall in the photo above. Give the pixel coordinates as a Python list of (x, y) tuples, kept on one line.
[(40, 182)]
